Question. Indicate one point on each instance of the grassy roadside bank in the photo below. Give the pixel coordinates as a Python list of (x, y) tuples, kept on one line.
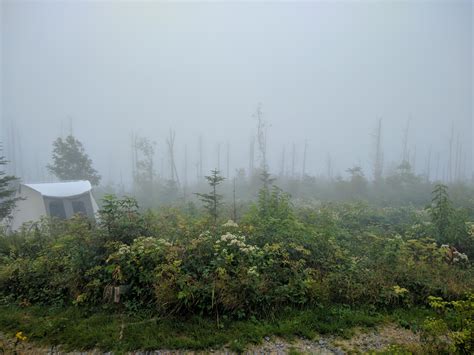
[(76, 329)]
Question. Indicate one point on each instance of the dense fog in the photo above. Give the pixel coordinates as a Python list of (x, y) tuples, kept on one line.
[(322, 73), (235, 177)]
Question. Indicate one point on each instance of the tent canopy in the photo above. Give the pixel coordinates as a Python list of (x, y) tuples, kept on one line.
[(62, 189), (58, 199)]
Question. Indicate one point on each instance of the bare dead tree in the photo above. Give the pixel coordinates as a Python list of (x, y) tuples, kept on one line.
[(121, 184), (228, 160), (173, 171), (282, 166), (12, 147), (406, 153), (251, 156), (218, 156), (438, 157), (71, 130), (458, 159), (261, 137), (185, 178), (378, 154), (161, 173), (450, 158), (293, 160), (303, 172), (428, 166), (134, 157), (200, 173), (234, 204), (329, 166), (464, 165), (413, 159)]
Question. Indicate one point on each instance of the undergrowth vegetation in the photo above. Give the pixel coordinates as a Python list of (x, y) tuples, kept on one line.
[(277, 258)]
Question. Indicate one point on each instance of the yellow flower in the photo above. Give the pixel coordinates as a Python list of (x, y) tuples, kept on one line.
[(400, 290), (20, 336)]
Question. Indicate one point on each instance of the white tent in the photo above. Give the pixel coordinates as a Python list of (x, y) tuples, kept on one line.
[(59, 199)]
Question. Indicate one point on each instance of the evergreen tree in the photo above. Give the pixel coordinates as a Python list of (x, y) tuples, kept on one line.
[(7, 201), (264, 193), (212, 200), (450, 222), (70, 161), (441, 212), (143, 171), (358, 182)]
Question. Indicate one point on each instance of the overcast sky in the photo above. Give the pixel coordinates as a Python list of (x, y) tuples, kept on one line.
[(323, 71)]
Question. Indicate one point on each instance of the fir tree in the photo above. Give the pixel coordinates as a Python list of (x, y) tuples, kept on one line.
[(7, 199), (212, 200), (70, 161)]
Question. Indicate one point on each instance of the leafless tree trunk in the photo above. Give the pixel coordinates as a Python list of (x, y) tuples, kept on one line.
[(185, 182), (200, 174), (219, 156), (405, 154), (450, 159), (329, 166), (228, 161), (428, 167), (437, 166), (378, 158), (251, 156), (170, 142), (234, 209), (304, 159), (261, 137), (282, 167), (293, 160)]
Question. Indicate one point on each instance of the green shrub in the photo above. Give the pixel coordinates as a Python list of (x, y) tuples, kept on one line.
[(453, 330), (167, 261)]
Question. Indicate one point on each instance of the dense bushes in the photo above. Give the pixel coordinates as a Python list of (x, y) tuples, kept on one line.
[(278, 256), (452, 330)]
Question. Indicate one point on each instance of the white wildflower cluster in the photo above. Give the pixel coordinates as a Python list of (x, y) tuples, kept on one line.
[(237, 241), (123, 249), (205, 235), (453, 255), (149, 244), (460, 257), (470, 228), (230, 223), (335, 216), (253, 271)]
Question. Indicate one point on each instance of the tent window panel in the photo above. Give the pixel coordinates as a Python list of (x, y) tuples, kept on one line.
[(56, 209), (79, 207)]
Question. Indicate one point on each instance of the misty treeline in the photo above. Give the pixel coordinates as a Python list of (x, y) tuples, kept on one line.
[(232, 192), (393, 184), (159, 176)]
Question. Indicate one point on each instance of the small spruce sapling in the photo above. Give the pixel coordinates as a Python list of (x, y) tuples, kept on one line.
[(212, 200)]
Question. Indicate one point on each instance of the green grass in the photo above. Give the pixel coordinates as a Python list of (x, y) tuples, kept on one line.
[(76, 329), (411, 318)]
